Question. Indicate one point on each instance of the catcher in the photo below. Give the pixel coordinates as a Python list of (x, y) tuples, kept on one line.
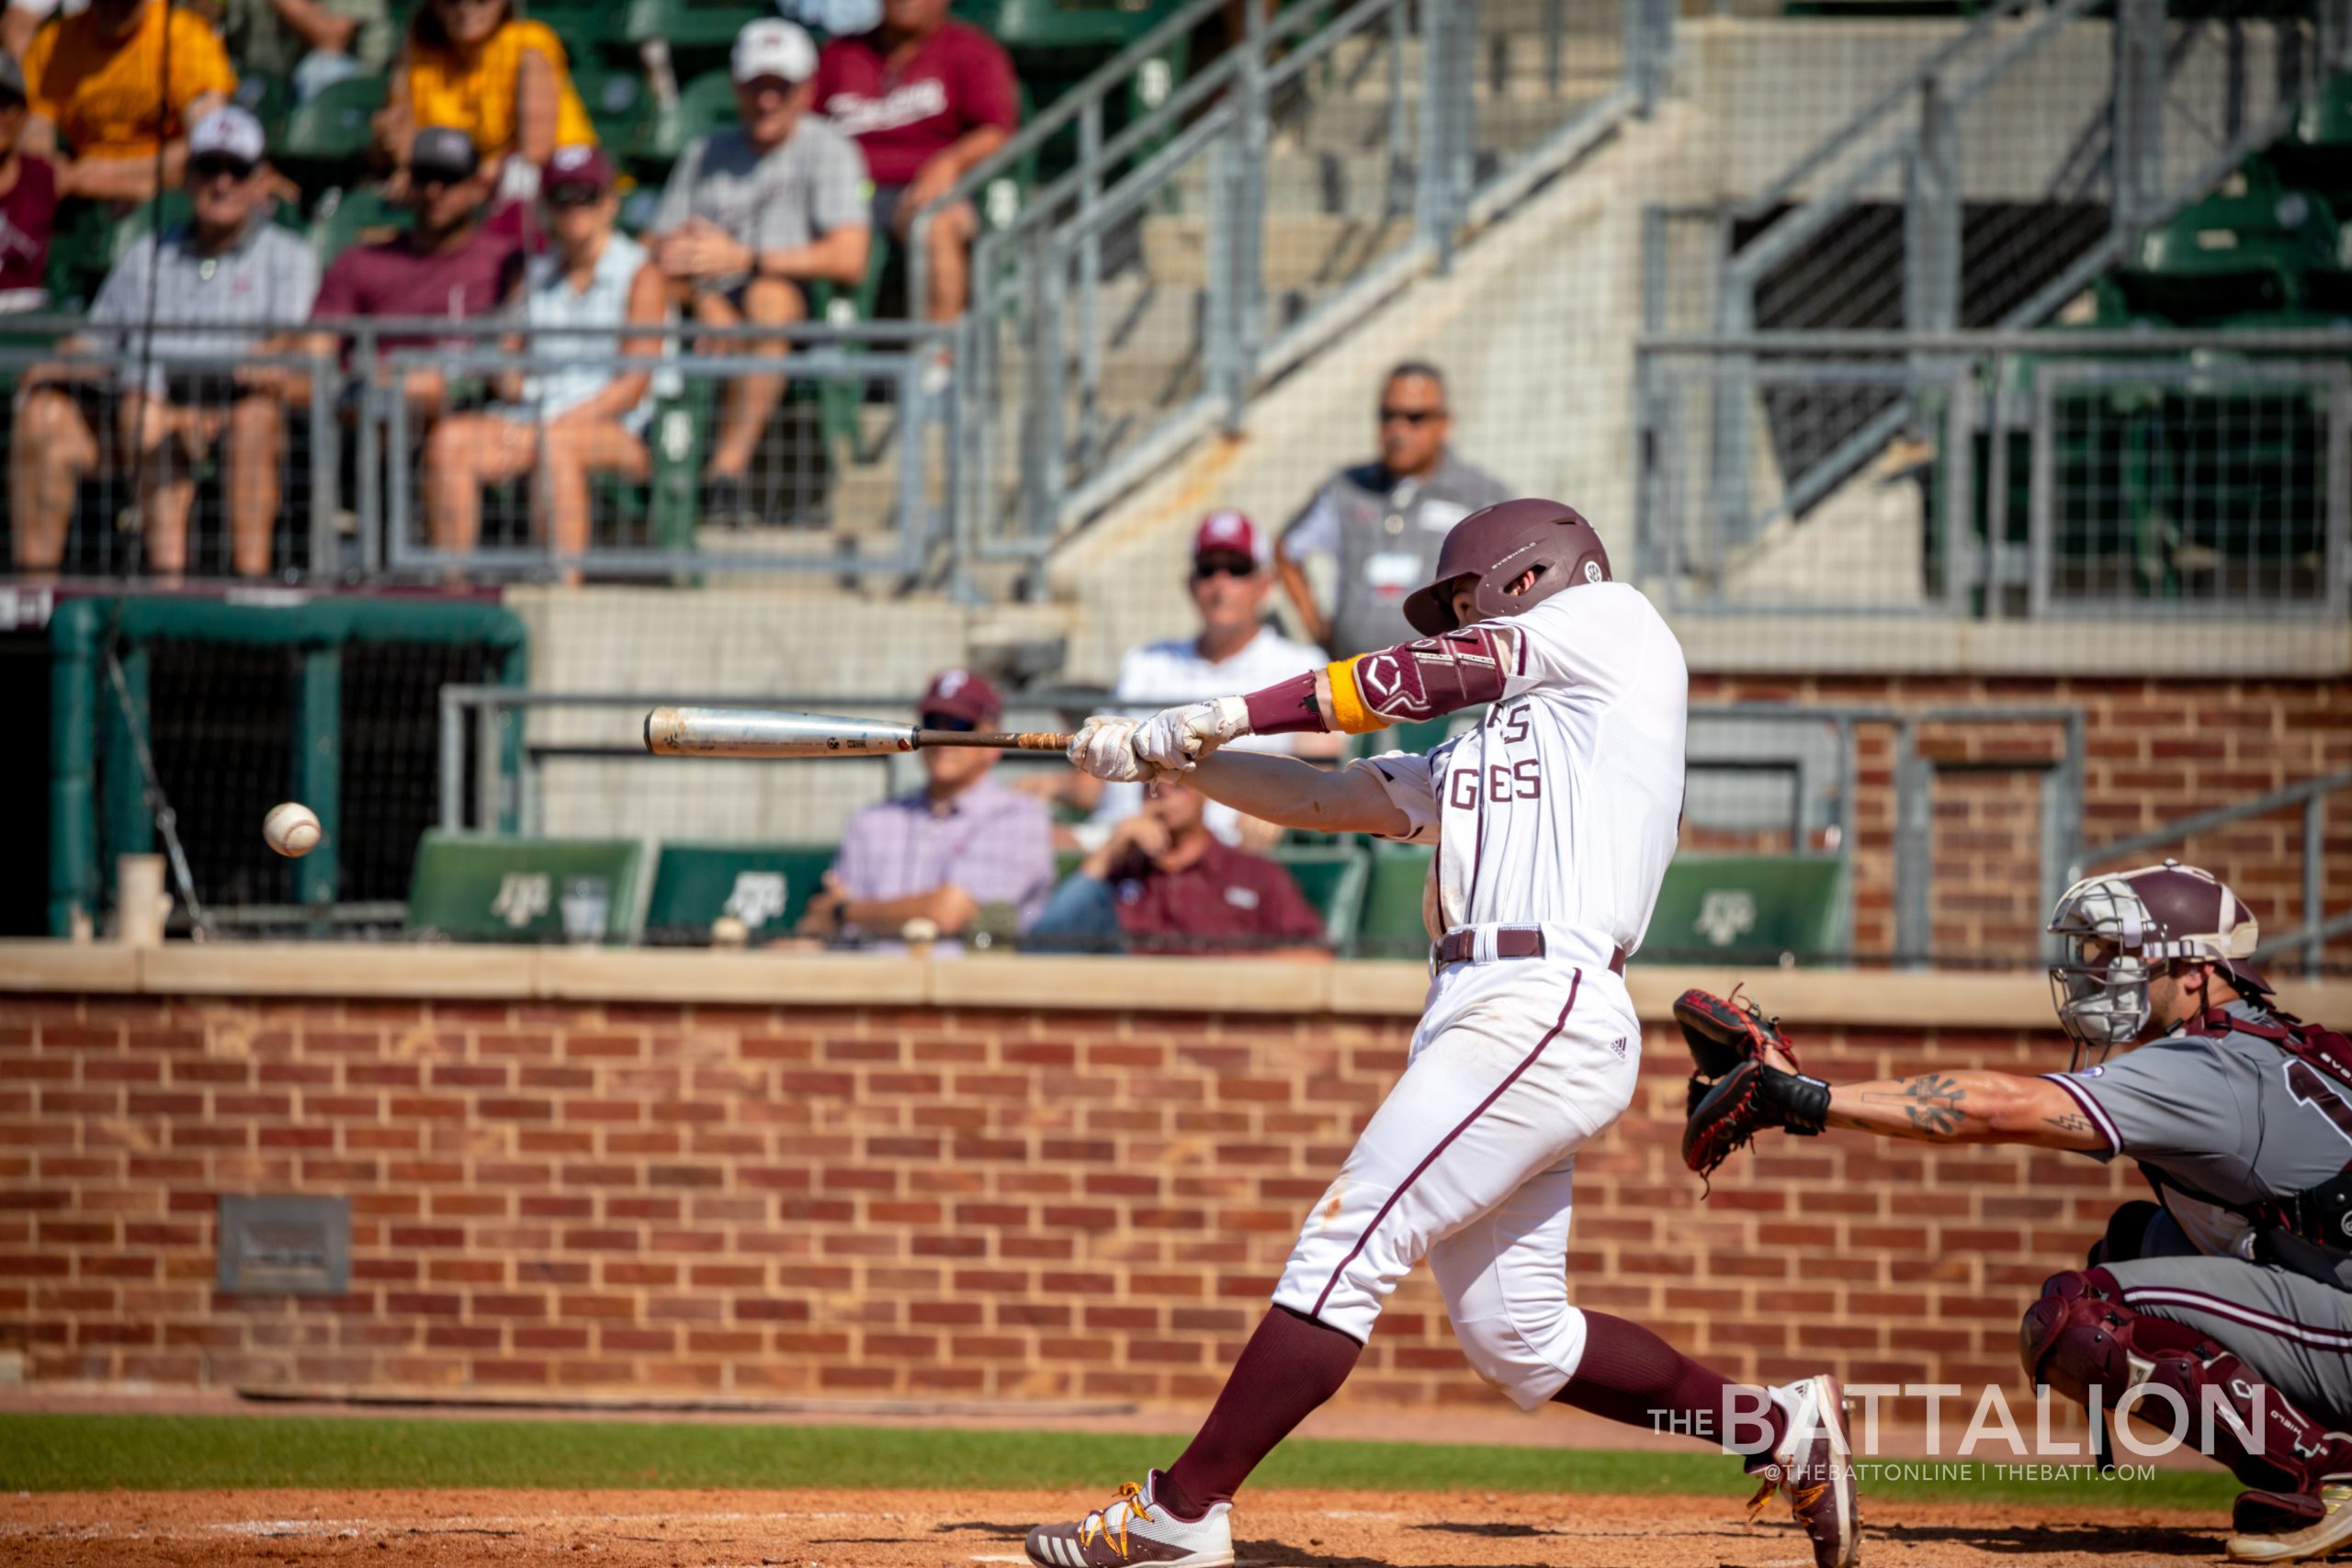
[(2234, 1285)]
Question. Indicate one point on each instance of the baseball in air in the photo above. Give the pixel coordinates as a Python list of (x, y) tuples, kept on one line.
[(291, 829)]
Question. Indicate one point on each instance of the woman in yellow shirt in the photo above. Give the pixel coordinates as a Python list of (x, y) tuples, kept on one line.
[(474, 65)]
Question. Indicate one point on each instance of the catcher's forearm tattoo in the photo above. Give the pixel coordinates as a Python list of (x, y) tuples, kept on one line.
[(1931, 1102)]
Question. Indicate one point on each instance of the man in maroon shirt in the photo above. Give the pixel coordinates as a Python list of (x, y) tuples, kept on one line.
[(925, 99), (1163, 883), (28, 202), (450, 261)]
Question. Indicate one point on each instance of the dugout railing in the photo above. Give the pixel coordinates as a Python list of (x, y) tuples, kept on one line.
[(1829, 809)]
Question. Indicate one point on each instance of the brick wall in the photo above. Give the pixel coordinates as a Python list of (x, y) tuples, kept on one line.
[(864, 1202), (2156, 751)]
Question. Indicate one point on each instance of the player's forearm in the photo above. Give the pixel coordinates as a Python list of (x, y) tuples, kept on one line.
[(1414, 680), (1953, 1108), (1289, 792)]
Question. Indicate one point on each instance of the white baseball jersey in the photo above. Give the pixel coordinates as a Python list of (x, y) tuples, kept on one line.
[(1563, 806), (1155, 675)]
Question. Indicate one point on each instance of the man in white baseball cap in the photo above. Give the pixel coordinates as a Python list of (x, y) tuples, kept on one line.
[(228, 265), (751, 218)]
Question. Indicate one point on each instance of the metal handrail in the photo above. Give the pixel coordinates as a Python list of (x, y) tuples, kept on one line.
[(2169, 340)]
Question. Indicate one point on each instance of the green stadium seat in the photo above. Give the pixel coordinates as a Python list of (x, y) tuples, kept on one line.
[(336, 127), (764, 886), (616, 99), (472, 887), (2227, 256), (2316, 155), (345, 218), (1747, 908), (1332, 877), (1391, 924), (704, 105), (686, 24)]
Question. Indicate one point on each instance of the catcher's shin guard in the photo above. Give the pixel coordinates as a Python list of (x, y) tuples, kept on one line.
[(2080, 1337)]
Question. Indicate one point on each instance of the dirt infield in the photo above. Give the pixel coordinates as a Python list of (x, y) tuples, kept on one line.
[(946, 1529)]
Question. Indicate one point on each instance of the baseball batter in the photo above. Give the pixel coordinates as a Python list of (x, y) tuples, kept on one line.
[(1554, 820), (2237, 1285)]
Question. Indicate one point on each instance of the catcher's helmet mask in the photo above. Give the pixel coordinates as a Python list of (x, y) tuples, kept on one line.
[(2122, 929)]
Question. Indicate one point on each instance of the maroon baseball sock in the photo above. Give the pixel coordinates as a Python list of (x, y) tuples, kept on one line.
[(1290, 1365), (1630, 1375)]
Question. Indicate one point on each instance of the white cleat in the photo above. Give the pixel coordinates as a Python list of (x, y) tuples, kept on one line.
[(1136, 1530), (2330, 1533), (1813, 1469)]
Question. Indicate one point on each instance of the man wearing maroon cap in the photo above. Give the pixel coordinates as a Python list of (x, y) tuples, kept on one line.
[(961, 843), (1162, 882), (926, 99), (1235, 650)]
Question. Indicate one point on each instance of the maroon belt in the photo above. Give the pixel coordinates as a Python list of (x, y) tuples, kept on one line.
[(1510, 941)]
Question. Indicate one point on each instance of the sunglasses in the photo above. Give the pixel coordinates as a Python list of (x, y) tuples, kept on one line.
[(565, 197), (213, 168), (1410, 416), (1204, 569), (946, 721)]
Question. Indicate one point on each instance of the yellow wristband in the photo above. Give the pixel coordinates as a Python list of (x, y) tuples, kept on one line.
[(1347, 703)]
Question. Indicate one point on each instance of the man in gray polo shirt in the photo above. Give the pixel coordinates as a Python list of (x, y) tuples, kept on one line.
[(228, 265), (1380, 524), (753, 215)]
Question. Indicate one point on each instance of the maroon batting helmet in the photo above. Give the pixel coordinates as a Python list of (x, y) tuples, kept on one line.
[(1496, 544)]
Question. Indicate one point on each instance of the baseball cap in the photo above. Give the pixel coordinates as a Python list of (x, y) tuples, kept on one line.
[(960, 694), (773, 47), (443, 152), (1231, 533), (12, 79), (227, 132), (577, 168)]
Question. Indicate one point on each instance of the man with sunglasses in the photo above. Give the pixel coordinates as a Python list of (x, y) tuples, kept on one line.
[(1379, 525), (752, 217), (1235, 650), (228, 264), (949, 852)]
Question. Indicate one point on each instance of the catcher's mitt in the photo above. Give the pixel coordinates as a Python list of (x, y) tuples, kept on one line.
[(1734, 1093)]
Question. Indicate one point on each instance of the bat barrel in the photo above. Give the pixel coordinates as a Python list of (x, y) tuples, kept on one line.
[(754, 732)]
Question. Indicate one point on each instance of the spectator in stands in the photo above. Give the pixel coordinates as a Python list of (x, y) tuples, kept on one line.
[(1163, 883), (587, 414), (310, 45), (93, 79), (926, 99), (1235, 650), (963, 850), (449, 261), (1380, 525), (474, 66), (28, 202), (751, 218), (228, 265)]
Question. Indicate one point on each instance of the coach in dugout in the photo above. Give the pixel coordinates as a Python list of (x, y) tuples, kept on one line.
[(963, 850), (1380, 525), (2234, 1285)]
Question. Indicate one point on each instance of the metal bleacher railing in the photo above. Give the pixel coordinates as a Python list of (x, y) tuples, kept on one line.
[(2052, 473), (848, 481), (1217, 237)]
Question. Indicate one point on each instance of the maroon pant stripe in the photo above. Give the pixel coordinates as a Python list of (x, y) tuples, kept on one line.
[(1575, 982)]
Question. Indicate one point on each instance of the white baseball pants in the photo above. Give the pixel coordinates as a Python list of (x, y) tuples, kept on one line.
[(1470, 1161)]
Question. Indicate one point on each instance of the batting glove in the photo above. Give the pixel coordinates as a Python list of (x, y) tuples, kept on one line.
[(1174, 739), (1104, 745)]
